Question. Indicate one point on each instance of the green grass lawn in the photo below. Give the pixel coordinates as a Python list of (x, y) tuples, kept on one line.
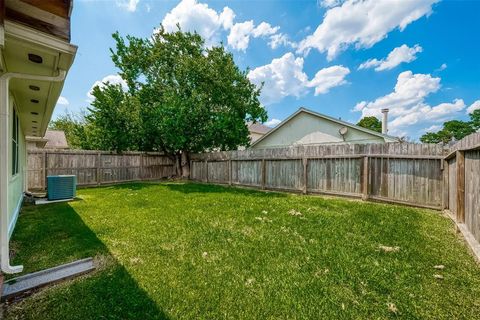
[(192, 251)]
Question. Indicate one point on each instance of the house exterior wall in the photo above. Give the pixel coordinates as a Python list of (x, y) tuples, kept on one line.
[(305, 129), (16, 182)]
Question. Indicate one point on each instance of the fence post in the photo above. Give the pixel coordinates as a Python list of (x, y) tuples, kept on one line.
[(446, 191), (365, 174), (460, 163), (98, 168), (229, 172), (206, 171), (264, 174), (305, 175), (44, 171), (141, 166), (190, 176)]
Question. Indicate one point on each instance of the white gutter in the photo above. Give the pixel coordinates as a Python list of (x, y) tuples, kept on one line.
[(4, 160)]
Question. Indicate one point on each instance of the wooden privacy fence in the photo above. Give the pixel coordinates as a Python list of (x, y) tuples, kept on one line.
[(464, 184), (423, 175), (96, 167), (395, 172)]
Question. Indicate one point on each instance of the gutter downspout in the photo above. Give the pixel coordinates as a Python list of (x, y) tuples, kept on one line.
[(4, 160)]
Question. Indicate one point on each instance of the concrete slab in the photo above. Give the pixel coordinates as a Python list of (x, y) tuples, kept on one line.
[(46, 201), (27, 283)]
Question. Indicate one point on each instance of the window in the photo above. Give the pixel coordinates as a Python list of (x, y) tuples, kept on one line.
[(15, 143)]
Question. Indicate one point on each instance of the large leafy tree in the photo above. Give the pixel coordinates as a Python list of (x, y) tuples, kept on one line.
[(74, 128), (454, 129), (475, 119), (371, 123), (113, 120), (190, 98)]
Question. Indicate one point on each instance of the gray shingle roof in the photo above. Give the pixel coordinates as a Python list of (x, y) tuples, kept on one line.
[(258, 128), (55, 139)]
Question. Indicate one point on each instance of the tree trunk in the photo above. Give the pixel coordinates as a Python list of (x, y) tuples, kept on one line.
[(185, 165), (178, 166)]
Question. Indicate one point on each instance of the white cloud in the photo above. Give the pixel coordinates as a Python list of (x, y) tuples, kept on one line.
[(194, 16), (425, 113), (407, 102), (474, 106), (284, 77), (442, 67), (395, 57), (239, 36), (280, 39), (226, 18), (129, 5), (272, 122), (330, 3), (112, 79), (433, 128), (63, 101), (241, 32), (264, 29), (327, 78), (363, 23)]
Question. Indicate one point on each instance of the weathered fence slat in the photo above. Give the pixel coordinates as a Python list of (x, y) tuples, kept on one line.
[(404, 173), (96, 167)]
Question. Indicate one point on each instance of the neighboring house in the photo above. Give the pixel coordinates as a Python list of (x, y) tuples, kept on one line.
[(35, 55), (306, 127), (53, 139), (257, 130)]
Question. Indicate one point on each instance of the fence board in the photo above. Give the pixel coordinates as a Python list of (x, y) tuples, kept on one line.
[(247, 173), (405, 173), (452, 185), (472, 192), (218, 171), (284, 174), (341, 175), (96, 167)]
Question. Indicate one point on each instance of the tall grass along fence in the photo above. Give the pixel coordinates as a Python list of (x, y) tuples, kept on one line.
[(96, 167), (395, 172)]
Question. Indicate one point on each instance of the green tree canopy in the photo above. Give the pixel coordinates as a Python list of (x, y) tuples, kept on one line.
[(74, 128), (371, 123), (475, 119), (454, 129), (114, 119), (182, 97)]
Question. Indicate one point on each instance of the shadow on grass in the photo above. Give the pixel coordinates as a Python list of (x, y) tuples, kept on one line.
[(55, 234), (194, 187)]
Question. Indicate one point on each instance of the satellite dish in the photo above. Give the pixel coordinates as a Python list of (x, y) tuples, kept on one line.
[(343, 131)]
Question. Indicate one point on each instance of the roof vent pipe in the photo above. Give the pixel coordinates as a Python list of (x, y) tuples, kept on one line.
[(385, 121)]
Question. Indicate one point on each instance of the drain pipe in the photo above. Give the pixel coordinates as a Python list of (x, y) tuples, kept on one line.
[(4, 160)]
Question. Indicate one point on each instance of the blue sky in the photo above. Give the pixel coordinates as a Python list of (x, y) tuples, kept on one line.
[(343, 58)]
